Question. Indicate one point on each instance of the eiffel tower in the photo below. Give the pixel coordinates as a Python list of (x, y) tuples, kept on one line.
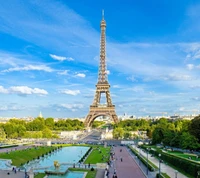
[(102, 86)]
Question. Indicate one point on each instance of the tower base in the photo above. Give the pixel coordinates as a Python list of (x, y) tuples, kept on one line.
[(100, 111)]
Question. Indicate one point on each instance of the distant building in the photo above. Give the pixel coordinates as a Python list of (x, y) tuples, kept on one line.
[(40, 115)]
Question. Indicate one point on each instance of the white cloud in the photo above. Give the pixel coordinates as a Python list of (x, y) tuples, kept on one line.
[(177, 77), (195, 86), (61, 58), (198, 67), (3, 108), (30, 67), (64, 72), (132, 78), (3, 90), (71, 92), (116, 86), (11, 108), (190, 66), (107, 72), (196, 98), (23, 90), (72, 107), (80, 75), (137, 89)]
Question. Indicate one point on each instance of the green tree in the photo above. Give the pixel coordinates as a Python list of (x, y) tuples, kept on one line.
[(21, 130), (158, 135), (188, 141), (47, 133), (118, 133), (194, 127), (2, 134), (127, 135), (37, 124), (49, 122)]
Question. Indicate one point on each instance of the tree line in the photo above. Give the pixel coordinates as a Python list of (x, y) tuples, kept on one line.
[(183, 134), (38, 128)]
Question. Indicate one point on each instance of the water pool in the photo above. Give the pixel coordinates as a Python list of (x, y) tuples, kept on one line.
[(69, 175), (5, 164), (65, 155)]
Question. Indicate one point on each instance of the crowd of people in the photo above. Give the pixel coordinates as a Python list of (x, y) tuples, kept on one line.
[(111, 164)]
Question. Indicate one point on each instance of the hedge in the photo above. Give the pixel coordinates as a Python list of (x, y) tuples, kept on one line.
[(162, 175), (187, 167), (150, 165), (85, 155)]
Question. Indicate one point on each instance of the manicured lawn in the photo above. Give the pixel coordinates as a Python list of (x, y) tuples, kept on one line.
[(40, 175), (185, 155), (99, 154), (20, 157), (90, 174)]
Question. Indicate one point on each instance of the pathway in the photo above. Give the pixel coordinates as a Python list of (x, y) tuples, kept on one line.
[(100, 173), (125, 168), (3, 150), (164, 167), (4, 174)]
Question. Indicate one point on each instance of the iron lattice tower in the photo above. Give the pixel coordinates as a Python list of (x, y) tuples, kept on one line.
[(102, 86)]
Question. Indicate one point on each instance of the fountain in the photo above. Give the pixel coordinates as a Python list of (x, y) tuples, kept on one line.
[(57, 170)]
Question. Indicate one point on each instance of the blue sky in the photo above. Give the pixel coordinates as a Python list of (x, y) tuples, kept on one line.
[(49, 56)]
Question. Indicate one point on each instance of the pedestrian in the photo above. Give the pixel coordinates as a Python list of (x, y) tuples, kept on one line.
[(114, 171), (89, 165), (107, 174), (121, 159), (15, 170)]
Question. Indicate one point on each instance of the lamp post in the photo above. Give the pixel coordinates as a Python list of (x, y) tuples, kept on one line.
[(176, 173), (198, 173), (147, 162), (159, 164)]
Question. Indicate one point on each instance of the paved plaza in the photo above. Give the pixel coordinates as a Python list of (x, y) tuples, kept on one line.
[(4, 174), (124, 164), (3, 150)]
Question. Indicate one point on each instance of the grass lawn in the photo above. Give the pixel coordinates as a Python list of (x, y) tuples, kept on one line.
[(97, 154), (185, 155), (20, 157), (90, 174), (40, 175)]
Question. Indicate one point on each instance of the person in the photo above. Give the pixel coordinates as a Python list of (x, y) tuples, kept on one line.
[(121, 159), (107, 174), (114, 171), (89, 165)]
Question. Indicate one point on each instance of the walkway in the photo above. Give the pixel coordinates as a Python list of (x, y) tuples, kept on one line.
[(4, 174), (3, 150), (125, 168), (164, 168), (100, 173)]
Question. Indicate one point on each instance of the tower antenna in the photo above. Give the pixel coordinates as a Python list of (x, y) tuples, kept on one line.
[(102, 13)]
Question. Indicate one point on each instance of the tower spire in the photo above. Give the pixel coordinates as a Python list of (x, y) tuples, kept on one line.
[(103, 14), (102, 66)]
